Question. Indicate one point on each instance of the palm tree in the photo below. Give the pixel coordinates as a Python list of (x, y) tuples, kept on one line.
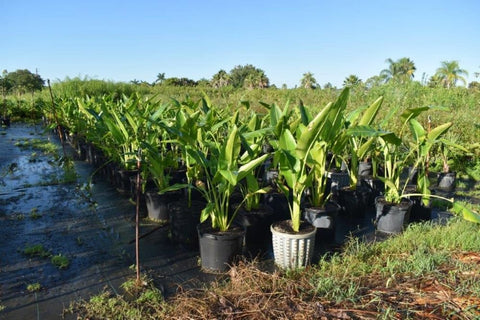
[(160, 78), (221, 79), (389, 73), (435, 81), (402, 69), (257, 79), (351, 81), (450, 73), (308, 81), (406, 68)]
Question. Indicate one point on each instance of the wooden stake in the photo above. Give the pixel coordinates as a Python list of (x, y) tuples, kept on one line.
[(137, 215)]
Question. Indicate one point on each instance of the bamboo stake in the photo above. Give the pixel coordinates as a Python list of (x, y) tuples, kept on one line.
[(137, 215)]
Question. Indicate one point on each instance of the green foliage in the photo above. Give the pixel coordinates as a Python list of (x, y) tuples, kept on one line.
[(36, 250), (248, 76), (60, 261), (34, 287), (22, 81)]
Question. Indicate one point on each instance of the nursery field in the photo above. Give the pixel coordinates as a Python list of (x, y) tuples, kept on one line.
[(241, 204)]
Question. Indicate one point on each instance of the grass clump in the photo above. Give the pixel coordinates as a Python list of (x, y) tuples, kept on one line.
[(34, 287), (46, 147), (34, 214), (36, 250), (60, 261), (140, 301)]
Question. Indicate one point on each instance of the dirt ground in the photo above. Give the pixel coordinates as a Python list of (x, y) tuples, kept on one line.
[(38, 211)]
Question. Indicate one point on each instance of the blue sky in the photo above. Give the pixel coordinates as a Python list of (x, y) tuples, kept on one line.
[(126, 40)]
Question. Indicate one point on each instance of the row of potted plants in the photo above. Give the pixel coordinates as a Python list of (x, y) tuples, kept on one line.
[(226, 157)]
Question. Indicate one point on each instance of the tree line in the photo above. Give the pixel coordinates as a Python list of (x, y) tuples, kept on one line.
[(448, 75)]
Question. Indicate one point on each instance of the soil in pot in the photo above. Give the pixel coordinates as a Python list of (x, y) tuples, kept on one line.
[(218, 250), (392, 218)]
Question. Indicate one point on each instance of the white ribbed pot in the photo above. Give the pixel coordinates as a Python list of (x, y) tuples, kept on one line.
[(292, 250)]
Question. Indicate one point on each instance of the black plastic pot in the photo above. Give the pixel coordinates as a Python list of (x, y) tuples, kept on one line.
[(419, 211), (392, 218), (337, 180), (218, 250), (365, 169), (184, 220), (446, 181), (352, 202), (323, 219), (157, 206), (123, 180), (257, 224)]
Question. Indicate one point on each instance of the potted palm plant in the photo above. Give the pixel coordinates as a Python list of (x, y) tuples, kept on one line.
[(358, 140), (293, 154), (446, 179), (321, 211), (393, 208), (254, 214), (217, 153)]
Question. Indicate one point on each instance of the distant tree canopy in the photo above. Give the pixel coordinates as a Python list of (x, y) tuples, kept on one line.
[(179, 82), (248, 76), (401, 70), (351, 81), (450, 73), (21, 81), (308, 81)]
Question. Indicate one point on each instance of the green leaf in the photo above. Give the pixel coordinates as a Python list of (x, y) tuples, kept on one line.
[(417, 131), (207, 212), (466, 213), (413, 113), (371, 113), (230, 176), (311, 133), (248, 167), (303, 113), (287, 141), (435, 133)]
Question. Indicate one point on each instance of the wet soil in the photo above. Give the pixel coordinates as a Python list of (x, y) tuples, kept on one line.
[(93, 228)]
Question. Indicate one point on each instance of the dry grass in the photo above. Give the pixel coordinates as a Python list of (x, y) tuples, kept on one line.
[(255, 294), (428, 272)]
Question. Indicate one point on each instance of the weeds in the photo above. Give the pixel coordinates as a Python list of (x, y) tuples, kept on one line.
[(34, 287), (34, 214), (36, 250), (140, 302), (60, 261), (46, 147)]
